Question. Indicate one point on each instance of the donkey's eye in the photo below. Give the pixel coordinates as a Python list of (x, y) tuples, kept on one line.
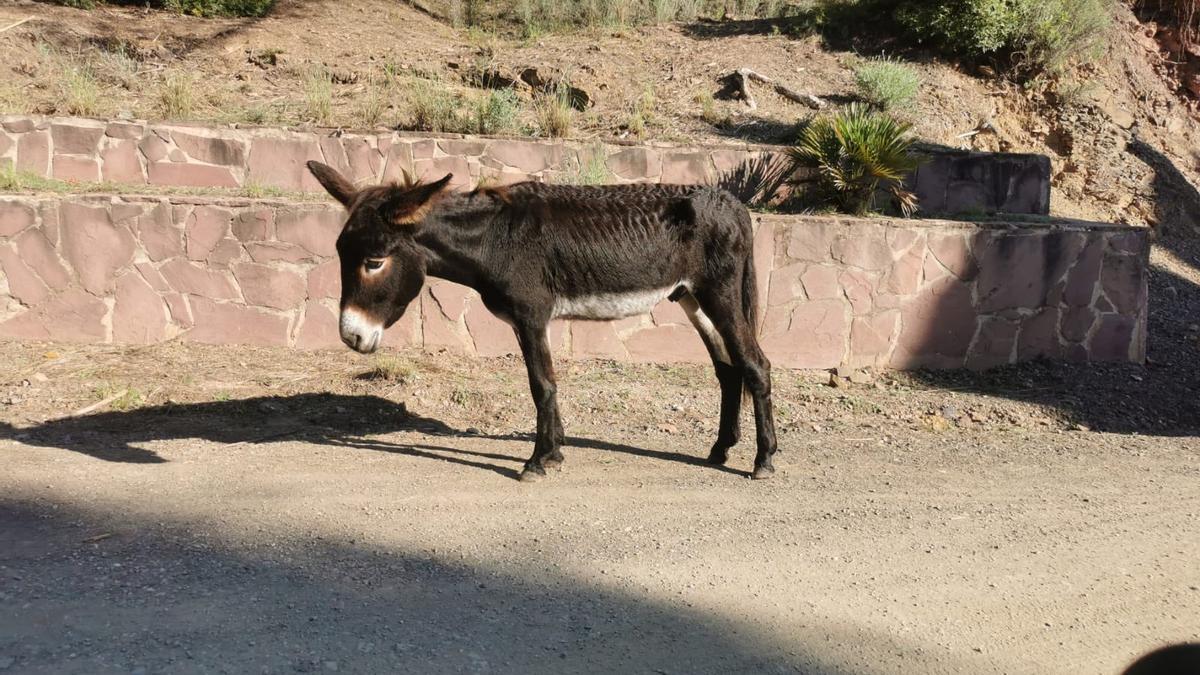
[(373, 264)]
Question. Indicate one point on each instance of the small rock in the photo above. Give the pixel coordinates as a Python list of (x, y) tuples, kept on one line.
[(331, 666), (40, 377)]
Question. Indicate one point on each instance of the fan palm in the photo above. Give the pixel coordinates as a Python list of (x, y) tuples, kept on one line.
[(854, 155)]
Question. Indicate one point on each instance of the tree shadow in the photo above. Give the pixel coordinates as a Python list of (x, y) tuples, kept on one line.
[(92, 589), (1158, 398), (321, 418)]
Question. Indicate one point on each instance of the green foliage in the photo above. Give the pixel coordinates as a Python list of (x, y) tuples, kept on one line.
[(433, 107), (495, 113), (80, 89), (193, 7), (887, 84), (219, 7), (851, 156), (1036, 34)]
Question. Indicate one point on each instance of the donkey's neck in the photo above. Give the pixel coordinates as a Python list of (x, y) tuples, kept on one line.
[(453, 236)]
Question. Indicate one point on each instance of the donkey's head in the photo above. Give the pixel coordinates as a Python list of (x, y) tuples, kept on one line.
[(383, 269)]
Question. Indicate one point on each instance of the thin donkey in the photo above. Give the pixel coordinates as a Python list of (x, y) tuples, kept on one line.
[(537, 252)]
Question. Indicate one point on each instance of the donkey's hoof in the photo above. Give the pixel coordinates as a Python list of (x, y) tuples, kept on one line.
[(763, 472), (718, 456), (532, 475), (553, 462)]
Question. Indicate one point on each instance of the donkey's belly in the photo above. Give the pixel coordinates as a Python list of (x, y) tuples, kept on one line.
[(602, 306)]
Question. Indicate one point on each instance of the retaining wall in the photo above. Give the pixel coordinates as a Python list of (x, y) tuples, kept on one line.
[(76, 149), (835, 290)]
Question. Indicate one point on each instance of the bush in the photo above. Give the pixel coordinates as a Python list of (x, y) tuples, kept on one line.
[(852, 156), (193, 7), (1039, 35), (887, 84), (496, 113), (433, 108), (554, 112)]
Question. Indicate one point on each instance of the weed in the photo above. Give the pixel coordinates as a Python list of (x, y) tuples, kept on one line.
[(591, 171), (373, 104), (80, 90), (642, 114), (887, 84), (393, 369), (554, 112), (709, 112), (318, 96), (433, 108), (496, 113), (176, 98)]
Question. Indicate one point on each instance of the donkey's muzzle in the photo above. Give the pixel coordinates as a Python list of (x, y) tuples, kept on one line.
[(360, 332)]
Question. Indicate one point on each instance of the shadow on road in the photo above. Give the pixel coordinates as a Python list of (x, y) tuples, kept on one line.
[(322, 418)]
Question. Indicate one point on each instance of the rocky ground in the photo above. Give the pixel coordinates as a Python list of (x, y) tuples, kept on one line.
[(237, 509)]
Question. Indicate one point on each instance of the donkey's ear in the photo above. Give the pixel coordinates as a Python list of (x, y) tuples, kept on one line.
[(409, 207), (333, 182)]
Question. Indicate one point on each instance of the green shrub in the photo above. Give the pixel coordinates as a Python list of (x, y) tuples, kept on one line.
[(496, 113), (887, 84), (1037, 34), (433, 108), (193, 7), (851, 156), (219, 7)]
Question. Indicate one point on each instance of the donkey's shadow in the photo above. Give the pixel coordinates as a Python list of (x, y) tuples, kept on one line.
[(330, 419)]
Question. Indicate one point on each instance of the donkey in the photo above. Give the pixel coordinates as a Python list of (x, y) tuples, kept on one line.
[(537, 252)]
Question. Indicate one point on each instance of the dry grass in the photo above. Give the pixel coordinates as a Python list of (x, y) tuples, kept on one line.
[(318, 96), (555, 116), (177, 97)]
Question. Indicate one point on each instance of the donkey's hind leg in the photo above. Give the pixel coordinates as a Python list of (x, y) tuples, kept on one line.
[(733, 325), (728, 375)]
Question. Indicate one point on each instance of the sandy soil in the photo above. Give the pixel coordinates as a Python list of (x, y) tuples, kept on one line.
[(257, 510)]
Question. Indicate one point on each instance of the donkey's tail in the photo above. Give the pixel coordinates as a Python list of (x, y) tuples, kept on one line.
[(750, 283)]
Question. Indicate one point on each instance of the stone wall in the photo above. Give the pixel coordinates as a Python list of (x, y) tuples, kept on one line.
[(141, 153), (835, 290)]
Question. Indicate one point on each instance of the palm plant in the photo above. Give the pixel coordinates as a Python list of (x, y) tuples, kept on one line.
[(845, 160)]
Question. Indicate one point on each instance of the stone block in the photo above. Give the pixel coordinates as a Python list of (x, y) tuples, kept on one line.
[(316, 230), (687, 168), (266, 286), (197, 280), (812, 241), (1123, 281), (211, 149), (40, 256), (871, 338), (206, 226), (525, 156), (158, 233), (94, 246), (139, 315), (231, 323), (191, 175), (324, 281), (280, 162), (1039, 336), (666, 344), (818, 336), (936, 326), (318, 328), (994, 345), (23, 284), (15, 215), (596, 340), (636, 163), (74, 139), (1114, 339), (124, 130), (72, 316), (76, 169), (119, 163), (33, 153), (492, 337)]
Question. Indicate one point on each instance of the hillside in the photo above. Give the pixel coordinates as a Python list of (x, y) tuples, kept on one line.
[(1123, 140)]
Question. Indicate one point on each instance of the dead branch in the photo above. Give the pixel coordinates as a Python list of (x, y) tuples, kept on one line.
[(14, 25), (745, 75)]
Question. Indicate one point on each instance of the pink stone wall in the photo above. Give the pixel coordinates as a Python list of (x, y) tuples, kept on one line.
[(834, 291), (78, 149)]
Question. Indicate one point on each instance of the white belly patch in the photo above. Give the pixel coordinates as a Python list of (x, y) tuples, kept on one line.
[(602, 306)]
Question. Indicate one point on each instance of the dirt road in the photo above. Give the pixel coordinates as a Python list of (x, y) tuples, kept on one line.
[(236, 517)]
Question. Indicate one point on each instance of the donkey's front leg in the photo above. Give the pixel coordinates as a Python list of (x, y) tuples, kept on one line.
[(549, 436)]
